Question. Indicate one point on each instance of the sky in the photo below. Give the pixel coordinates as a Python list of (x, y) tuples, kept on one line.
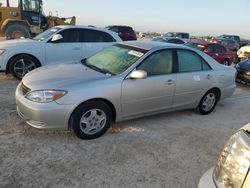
[(198, 17)]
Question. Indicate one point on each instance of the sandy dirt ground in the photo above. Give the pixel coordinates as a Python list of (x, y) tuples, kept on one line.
[(170, 150)]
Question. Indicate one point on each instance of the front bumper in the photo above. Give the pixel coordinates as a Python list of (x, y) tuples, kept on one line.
[(206, 180), (43, 116)]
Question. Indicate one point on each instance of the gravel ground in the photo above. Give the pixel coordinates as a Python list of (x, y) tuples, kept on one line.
[(170, 150)]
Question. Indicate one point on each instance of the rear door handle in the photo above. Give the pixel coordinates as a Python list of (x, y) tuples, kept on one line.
[(169, 82), (209, 76), (77, 48)]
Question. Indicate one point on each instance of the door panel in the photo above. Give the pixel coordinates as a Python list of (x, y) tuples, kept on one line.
[(63, 52), (194, 78), (154, 93), (68, 49), (190, 86), (141, 96)]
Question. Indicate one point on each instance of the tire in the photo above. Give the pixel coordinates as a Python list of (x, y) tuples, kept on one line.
[(16, 31), (226, 62), (21, 65), (91, 120), (208, 102)]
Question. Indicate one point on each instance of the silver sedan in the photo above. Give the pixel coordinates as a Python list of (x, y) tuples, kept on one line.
[(121, 82)]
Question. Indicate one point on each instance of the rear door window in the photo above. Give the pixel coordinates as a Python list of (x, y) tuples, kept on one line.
[(189, 61), (90, 35)]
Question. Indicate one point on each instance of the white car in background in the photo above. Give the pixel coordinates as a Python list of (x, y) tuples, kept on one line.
[(232, 170), (59, 44)]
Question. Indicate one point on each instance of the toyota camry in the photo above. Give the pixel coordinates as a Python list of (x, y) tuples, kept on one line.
[(121, 82)]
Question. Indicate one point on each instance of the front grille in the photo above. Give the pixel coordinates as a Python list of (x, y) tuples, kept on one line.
[(25, 89)]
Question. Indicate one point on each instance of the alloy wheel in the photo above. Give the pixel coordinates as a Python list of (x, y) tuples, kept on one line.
[(93, 121), (208, 102), (23, 66)]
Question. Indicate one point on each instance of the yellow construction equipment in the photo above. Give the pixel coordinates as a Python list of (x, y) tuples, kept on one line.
[(27, 19)]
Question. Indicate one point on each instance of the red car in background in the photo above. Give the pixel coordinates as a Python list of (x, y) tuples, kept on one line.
[(125, 32), (217, 51)]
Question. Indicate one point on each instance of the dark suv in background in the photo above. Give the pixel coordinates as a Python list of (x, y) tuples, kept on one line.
[(125, 32)]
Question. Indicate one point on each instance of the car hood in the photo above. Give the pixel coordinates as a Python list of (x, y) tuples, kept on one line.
[(18, 42), (60, 76), (245, 65)]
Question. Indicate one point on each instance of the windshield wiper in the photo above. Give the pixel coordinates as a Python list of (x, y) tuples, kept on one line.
[(102, 70)]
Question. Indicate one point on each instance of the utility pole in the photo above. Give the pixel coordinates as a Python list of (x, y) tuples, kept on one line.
[(8, 3)]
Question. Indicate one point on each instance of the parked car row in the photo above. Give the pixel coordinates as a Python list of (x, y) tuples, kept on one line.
[(218, 51), (233, 37), (117, 81)]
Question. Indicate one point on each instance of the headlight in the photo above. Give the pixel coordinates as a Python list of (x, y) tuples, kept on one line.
[(1, 51), (248, 73), (45, 96), (234, 162)]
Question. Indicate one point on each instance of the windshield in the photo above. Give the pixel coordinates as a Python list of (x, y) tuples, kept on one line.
[(115, 59), (46, 34)]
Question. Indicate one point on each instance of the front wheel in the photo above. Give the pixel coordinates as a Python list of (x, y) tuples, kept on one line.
[(21, 65), (91, 120), (208, 102)]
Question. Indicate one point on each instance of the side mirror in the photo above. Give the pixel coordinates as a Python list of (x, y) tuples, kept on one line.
[(138, 74), (56, 38)]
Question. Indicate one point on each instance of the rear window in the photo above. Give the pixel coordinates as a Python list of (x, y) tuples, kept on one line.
[(90, 35)]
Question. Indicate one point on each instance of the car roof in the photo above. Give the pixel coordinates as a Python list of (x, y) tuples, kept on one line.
[(114, 34), (118, 26), (149, 45), (81, 27)]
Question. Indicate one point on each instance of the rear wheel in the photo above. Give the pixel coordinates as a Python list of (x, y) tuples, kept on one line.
[(16, 31), (208, 102), (21, 65), (91, 120)]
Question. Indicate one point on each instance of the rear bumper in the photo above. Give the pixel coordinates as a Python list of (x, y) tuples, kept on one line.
[(228, 91), (206, 180)]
